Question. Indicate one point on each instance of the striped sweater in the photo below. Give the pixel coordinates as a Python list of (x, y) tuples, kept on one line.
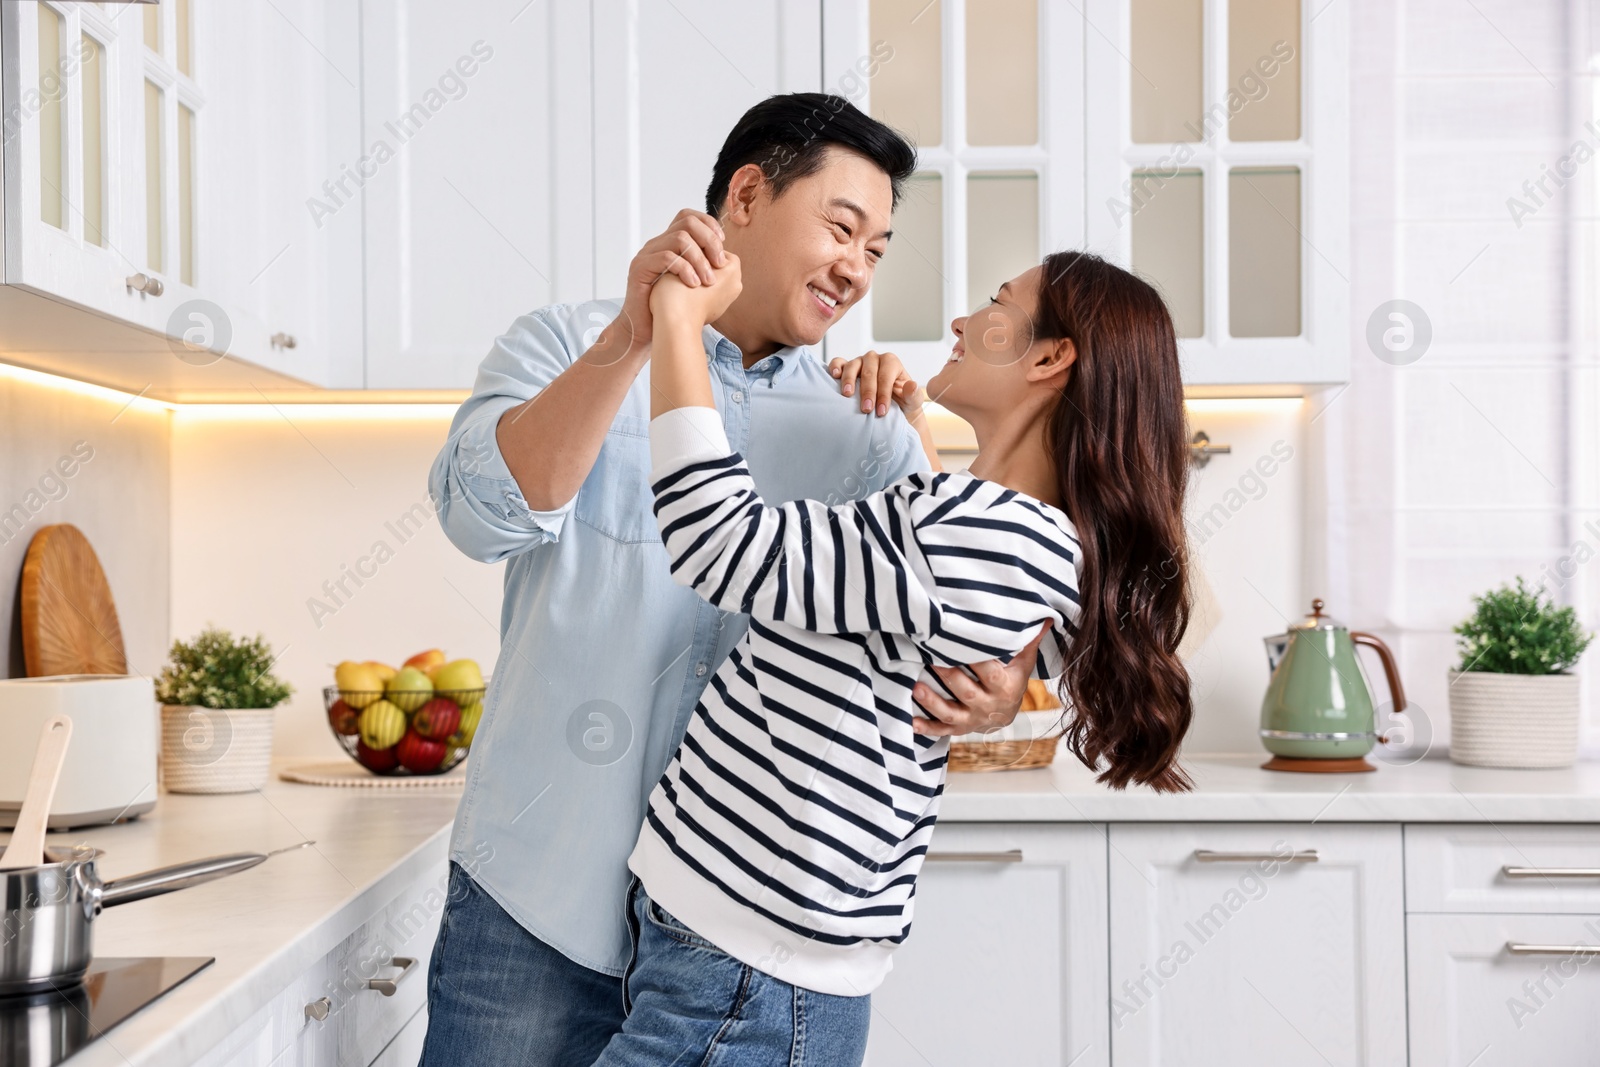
[(789, 827)]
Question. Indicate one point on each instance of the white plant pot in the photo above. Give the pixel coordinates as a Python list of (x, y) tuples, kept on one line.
[(1513, 720), (215, 750)]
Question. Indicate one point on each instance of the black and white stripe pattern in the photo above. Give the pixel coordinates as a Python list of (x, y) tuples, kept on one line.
[(790, 826)]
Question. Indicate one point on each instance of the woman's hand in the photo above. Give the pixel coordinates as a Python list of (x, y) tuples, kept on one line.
[(883, 378), (674, 302)]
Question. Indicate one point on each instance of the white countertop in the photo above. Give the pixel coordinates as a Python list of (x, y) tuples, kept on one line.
[(1234, 788), (267, 925)]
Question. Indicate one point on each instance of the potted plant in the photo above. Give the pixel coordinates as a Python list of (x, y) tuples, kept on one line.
[(218, 693), (1514, 699)]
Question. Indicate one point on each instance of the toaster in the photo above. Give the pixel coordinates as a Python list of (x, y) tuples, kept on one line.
[(110, 770)]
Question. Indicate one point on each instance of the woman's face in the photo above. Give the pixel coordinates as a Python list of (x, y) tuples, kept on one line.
[(988, 367)]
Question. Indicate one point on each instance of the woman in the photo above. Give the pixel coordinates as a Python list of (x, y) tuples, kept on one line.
[(778, 861)]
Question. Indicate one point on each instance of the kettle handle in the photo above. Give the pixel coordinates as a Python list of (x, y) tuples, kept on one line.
[(1391, 673)]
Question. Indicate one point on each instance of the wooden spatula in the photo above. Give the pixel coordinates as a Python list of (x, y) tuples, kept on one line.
[(27, 839)]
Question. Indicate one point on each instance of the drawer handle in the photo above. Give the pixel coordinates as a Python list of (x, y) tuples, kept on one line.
[(1550, 872), (1304, 855), (319, 1009), (1010, 855), (1550, 950), (388, 986)]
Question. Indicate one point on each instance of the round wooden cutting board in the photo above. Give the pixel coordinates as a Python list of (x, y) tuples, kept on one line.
[(69, 622)]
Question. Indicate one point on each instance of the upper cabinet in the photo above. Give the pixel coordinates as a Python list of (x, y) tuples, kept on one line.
[(1202, 143), (161, 165), (515, 154), (1218, 167), (992, 94)]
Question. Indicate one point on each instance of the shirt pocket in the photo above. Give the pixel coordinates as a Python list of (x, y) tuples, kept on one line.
[(616, 499)]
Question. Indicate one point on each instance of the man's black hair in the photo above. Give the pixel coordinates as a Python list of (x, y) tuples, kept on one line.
[(789, 135)]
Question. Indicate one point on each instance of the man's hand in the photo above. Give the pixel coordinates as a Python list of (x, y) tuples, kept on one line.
[(882, 378), (689, 249), (987, 703)]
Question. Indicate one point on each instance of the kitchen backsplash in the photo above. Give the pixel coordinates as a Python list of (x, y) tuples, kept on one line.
[(89, 457)]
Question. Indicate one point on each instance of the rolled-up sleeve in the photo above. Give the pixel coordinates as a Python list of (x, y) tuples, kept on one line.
[(479, 504)]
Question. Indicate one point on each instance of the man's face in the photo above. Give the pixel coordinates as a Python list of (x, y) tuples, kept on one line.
[(808, 255)]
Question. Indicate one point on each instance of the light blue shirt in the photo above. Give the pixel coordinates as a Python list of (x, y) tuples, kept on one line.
[(603, 656)]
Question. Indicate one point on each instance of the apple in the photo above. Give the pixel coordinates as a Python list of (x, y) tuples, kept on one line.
[(418, 753), (384, 670), (358, 683), (409, 689), (376, 759), (382, 724), (458, 675), (437, 719), (426, 661), (344, 718), (470, 714)]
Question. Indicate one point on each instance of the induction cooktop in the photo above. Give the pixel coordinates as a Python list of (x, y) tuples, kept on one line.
[(44, 1029)]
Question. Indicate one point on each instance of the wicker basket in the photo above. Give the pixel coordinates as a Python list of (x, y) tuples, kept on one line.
[(212, 750), (1010, 753), (1513, 720)]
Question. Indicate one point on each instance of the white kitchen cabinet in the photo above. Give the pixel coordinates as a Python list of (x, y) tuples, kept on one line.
[(332, 1016), (520, 154), (280, 248), (159, 165), (1218, 166), (1475, 1001), (1238, 960), (1006, 959)]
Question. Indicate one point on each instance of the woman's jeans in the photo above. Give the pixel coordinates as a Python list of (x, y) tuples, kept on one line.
[(690, 1003)]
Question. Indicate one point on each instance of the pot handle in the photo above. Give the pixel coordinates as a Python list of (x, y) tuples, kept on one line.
[(178, 876), (1391, 673)]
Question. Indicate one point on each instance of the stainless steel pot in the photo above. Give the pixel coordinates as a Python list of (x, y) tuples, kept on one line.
[(47, 933)]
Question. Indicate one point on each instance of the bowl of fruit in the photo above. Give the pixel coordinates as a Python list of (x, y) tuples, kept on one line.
[(419, 719)]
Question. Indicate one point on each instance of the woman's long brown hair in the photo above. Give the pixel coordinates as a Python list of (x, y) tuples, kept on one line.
[(1119, 440)]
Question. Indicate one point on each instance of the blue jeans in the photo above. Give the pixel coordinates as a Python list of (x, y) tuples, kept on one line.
[(691, 1004), (499, 995)]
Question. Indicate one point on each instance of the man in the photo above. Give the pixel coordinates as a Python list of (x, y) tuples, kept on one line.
[(603, 656)]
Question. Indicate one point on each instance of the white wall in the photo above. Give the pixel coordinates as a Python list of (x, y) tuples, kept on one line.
[(1476, 462), (270, 502)]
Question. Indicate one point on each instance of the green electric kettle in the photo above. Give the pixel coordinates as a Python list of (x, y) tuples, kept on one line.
[(1318, 711)]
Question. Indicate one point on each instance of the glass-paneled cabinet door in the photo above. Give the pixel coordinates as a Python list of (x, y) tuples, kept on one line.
[(74, 215), (1218, 164), (992, 94)]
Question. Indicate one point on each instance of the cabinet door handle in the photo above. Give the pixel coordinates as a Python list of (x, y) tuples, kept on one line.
[(318, 1009), (1550, 872), (1010, 855), (282, 340), (146, 284), (387, 986), (1304, 855), (1551, 950)]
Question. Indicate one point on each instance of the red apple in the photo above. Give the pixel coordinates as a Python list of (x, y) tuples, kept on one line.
[(376, 759), (418, 753), (344, 718), (437, 719)]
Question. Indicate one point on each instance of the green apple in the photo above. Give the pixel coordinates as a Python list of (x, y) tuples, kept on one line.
[(409, 689), (458, 675), (382, 724)]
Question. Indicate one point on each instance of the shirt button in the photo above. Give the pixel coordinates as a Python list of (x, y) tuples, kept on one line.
[(738, 396), (699, 670)]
